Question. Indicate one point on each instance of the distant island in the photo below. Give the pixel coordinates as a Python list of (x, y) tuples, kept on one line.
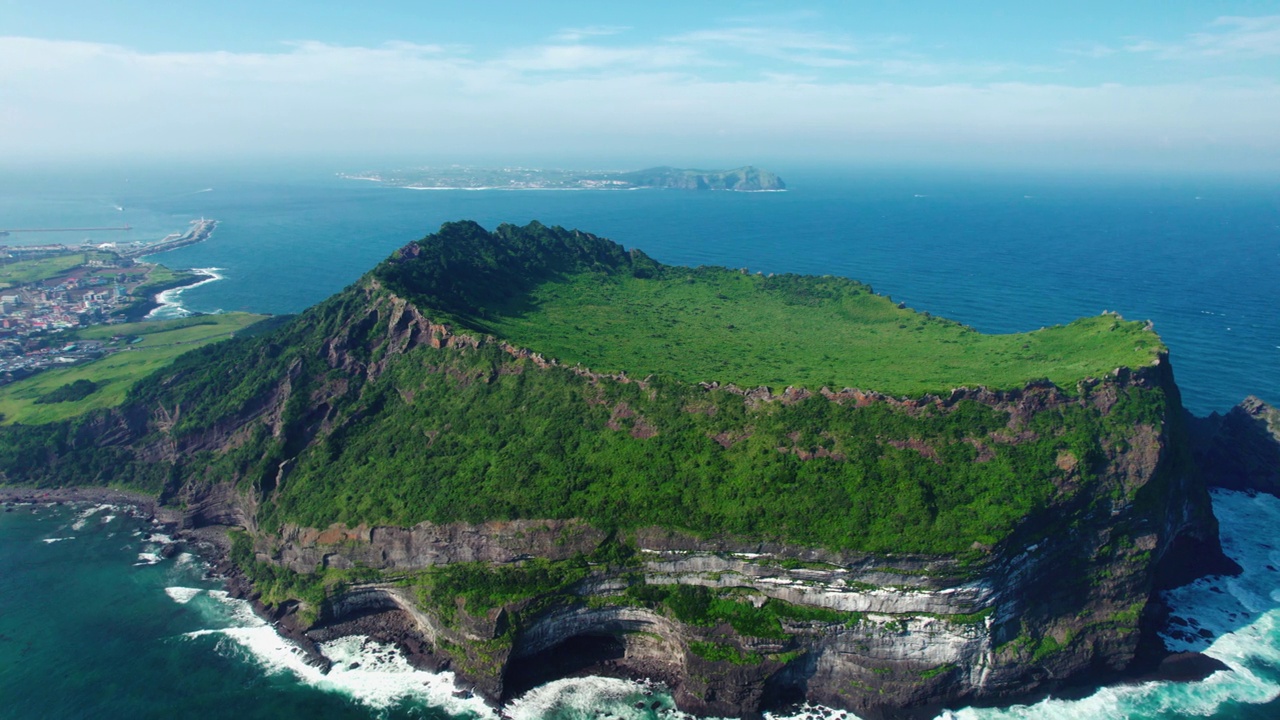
[(743, 179)]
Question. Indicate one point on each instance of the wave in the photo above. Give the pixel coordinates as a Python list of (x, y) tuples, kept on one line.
[(170, 301), (372, 673), (182, 595), (82, 518)]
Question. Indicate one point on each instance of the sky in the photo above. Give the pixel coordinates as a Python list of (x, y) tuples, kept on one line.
[(1167, 86)]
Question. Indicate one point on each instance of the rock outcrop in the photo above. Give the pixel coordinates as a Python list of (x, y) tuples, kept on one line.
[(1241, 449)]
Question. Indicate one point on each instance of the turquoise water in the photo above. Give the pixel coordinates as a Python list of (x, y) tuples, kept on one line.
[(87, 632)]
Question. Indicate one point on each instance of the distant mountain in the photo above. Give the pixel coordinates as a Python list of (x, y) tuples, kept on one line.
[(743, 179)]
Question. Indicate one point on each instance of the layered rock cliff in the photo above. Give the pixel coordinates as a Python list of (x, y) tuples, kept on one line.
[(381, 456)]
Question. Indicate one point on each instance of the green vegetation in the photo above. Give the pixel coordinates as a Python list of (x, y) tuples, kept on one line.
[(71, 392), (25, 401), (474, 434), (697, 605), (483, 587), (716, 652), (715, 324), (583, 300), (160, 278), (934, 672), (23, 272)]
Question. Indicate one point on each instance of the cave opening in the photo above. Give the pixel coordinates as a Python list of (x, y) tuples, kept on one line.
[(590, 654)]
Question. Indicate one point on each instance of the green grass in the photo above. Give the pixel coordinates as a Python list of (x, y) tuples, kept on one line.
[(29, 271), (717, 324), (115, 374), (160, 277)]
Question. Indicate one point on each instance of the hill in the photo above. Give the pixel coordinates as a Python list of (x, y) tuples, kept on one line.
[(483, 435)]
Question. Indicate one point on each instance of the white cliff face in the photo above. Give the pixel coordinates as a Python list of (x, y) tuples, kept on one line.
[(835, 588)]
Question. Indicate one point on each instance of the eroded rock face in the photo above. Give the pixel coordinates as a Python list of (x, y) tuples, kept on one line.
[(426, 545), (1240, 450)]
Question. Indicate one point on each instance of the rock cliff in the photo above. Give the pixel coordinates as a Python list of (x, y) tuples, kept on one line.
[(373, 405), (1241, 449)]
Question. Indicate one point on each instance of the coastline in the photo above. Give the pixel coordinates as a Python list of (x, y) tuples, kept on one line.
[(12, 495), (170, 298), (211, 543)]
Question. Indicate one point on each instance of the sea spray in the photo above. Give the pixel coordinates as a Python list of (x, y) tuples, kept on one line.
[(373, 673)]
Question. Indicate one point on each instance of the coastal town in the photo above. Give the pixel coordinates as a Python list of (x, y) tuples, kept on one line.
[(48, 289)]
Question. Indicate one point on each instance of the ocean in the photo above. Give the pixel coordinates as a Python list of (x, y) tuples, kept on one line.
[(90, 626)]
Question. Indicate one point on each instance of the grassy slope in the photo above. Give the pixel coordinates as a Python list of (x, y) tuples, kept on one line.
[(162, 342), (476, 435), (29, 271), (715, 324)]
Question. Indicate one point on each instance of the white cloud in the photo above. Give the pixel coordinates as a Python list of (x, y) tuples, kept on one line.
[(803, 48), (69, 98), (573, 35), (1226, 38), (571, 58)]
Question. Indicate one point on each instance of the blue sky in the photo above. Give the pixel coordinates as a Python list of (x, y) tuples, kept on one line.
[(1186, 86)]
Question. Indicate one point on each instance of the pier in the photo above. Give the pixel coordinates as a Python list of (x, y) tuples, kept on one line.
[(200, 231)]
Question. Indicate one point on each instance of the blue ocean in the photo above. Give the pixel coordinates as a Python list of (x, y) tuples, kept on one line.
[(95, 623)]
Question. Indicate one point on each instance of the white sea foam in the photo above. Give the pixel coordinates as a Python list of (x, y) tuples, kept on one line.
[(182, 595), (170, 301), (82, 518), (373, 673), (814, 712), (58, 539), (148, 558), (108, 518), (592, 697)]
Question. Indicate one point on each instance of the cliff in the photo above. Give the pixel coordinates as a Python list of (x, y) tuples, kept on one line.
[(1241, 449), (515, 515)]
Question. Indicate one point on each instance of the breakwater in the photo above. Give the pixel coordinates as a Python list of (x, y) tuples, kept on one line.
[(200, 231)]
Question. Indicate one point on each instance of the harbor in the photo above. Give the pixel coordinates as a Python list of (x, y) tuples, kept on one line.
[(199, 231)]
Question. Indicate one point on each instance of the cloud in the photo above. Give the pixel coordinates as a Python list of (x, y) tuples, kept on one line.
[(802, 48), (577, 58), (80, 99), (573, 35), (1227, 38)]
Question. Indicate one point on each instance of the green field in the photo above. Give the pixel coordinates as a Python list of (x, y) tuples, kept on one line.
[(29, 271), (716, 324), (161, 342)]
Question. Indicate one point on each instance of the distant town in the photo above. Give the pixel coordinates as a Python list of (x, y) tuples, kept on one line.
[(45, 289)]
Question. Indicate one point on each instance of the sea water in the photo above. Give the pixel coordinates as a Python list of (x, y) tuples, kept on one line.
[(95, 623), (1199, 257)]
